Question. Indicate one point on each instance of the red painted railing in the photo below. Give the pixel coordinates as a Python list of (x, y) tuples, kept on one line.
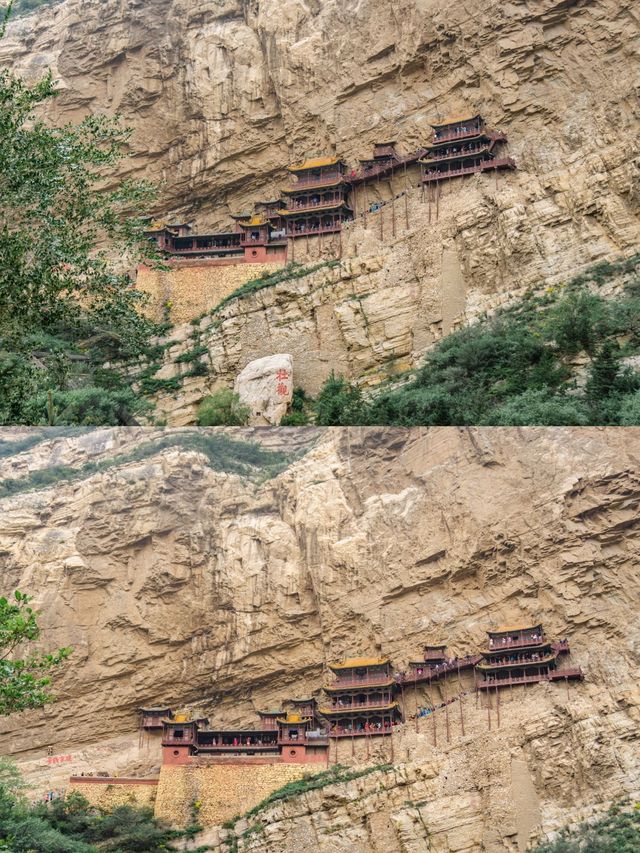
[(386, 168), (529, 661), (432, 673), (334, 202), (304, 183), (243, 747), (357, 705), (499, 645), (487, 165), (365, 681), (342, 732), (556, 675), (457, 134), (312, 232), (437, 157)]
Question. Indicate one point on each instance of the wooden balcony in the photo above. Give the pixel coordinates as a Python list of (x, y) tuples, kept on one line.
[(572, 674), (457, 133), (513, 664), (458, 155), (384, 169), (522, 643), (487, 165), (339, 731), (364, 681), (254, 747), (314, 232), (338, 201), (432, 673), (357, 706), (310, 183)]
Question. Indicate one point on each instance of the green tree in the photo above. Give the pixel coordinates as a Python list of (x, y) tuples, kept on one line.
[(630, 410), (340, 404), (68, 238), (223, 408), (24, 679), (72, 825)]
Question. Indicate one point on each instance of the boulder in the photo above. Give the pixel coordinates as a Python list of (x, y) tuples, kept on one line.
[(266, 386)]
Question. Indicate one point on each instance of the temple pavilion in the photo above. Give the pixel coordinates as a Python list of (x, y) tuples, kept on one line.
[(151, 718), (436, 664), (361, 698), (522, 654), (282, 735), (462, 145), (317, 202), (175, 240)]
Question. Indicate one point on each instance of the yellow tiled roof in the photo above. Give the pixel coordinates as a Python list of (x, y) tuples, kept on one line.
[(256, 219), (354, 663), (318, 163), (293, 718)]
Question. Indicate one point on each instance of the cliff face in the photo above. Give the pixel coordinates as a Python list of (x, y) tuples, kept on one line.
[(222, 94), (176, 583)]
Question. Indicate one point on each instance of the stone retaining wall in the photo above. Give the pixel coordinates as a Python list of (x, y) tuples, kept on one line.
[(223, 790), (109, 793), (191, 287)]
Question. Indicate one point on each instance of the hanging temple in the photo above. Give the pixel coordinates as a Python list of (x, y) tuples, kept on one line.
[(325, 194), (364, 699)]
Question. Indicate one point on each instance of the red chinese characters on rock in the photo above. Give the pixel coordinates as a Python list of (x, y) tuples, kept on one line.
[(59, 759), (282, 388)]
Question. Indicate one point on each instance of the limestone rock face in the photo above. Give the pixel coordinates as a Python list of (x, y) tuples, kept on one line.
[(266, 386), (178, 584), (223, 94)]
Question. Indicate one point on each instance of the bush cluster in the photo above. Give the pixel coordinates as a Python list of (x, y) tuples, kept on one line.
[(73, 826), (518, 367)]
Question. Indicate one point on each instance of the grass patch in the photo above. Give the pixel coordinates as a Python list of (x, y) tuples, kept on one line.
[(35, 436), (335, 774), (191, 355), (222, 453), (289, 273)]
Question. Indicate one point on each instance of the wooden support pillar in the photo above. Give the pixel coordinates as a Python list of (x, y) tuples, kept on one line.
[(415, 697), (446, 707), (393, 213), (406, 198), (366, 203), (460, 699), (498, 704)]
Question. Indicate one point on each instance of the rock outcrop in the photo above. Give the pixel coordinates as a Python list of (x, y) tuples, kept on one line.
[(222, 94), (265, 386), (181, 584)]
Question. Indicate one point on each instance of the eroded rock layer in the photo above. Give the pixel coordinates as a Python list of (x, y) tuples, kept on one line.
[(223, 94), (183, 585)]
